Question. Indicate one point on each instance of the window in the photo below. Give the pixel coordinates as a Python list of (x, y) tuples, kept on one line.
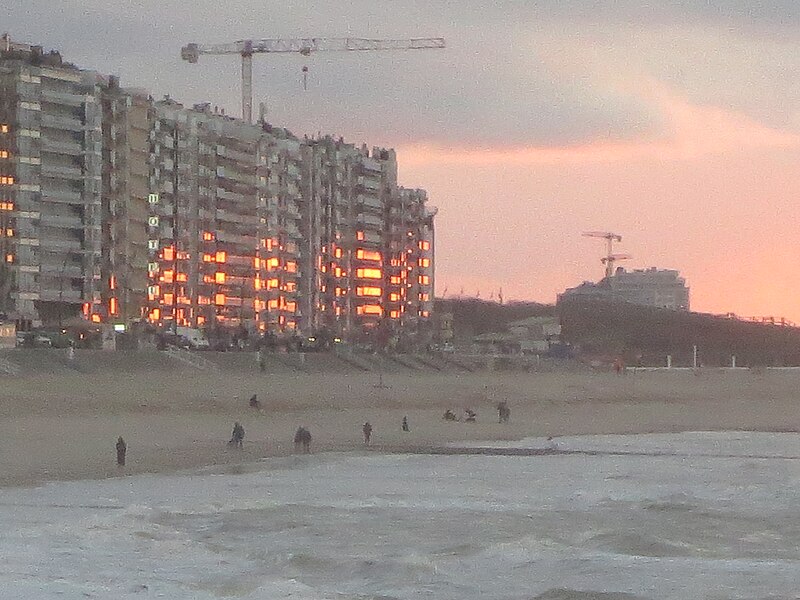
[(221, 257), (424, 262), (219, 277), (208, 236), (112, 306), (424, 279), (6, 180), (369, 309), (219, 299), (424, 245), (3, 127), (369, 273), (3, 153), (169, 253), (394, 297), (9, 258), (369, 291), (395, 314), (372, 255), (424, 297), (6, 206), (272, 284), (359, 235), (291, 266), (395, 279), (338, 253), (168, 276)]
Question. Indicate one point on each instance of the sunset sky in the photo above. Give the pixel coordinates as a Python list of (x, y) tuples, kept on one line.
[(675, 124)]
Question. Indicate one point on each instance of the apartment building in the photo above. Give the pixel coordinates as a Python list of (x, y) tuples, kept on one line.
[(662, 288), (122, 208), (125, 212), (224, 236), (51, 165)]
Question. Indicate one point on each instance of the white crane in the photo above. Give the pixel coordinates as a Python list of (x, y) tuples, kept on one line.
[(304, 46)]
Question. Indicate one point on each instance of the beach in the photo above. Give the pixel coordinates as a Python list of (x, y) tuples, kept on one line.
[(64, 426)]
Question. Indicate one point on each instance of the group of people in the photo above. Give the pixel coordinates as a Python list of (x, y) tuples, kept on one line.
[(302, 437), (470, 416)]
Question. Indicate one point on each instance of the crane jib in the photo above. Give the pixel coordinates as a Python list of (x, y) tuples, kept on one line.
[(304, 46)]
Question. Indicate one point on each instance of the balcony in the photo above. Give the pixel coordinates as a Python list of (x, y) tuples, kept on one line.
[(59, 221), (71, 149), (74, 173), (67, 123), (62, 98)]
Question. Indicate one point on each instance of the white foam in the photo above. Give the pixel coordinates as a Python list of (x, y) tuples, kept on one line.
[(657, 516)]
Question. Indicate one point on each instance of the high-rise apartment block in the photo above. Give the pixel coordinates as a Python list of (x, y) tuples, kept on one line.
[(132, 210), (51, 167)]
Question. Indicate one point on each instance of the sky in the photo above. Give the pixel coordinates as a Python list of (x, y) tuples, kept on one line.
[(675, 124)]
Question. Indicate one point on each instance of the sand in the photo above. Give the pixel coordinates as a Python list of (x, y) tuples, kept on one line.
[(65, 426)]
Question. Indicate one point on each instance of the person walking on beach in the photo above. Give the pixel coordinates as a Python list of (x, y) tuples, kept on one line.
[(367, 429), (405, 424), (237, 436), (302, 437), (122, 448)]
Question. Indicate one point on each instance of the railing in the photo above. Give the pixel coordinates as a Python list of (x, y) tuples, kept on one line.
[(9, 368), (192, 359)]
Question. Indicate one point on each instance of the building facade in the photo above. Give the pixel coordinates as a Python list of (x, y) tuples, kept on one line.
[(126, 209), (662, 288), (50, 189)]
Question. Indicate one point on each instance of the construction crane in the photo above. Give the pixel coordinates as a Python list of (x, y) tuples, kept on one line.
[(610, 258), (303, 46), (609, 261)]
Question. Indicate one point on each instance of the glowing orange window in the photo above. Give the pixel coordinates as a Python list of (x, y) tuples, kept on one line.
[(369, 273), (369, 291)]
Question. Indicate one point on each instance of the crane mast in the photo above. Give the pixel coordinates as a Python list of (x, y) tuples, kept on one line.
[(304, 46), (610, 258)]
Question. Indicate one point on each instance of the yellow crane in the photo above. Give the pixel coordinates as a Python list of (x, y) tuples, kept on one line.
[(610, 258), (303, 46)]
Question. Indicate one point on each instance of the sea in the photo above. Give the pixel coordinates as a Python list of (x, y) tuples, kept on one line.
[(679, 516)]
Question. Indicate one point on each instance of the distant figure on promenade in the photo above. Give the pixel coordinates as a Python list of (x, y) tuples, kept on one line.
[(619, 367), (503, 412), (122, 448), (367, 429), (470, 416), (254, 403), (237, 436), (405, 424), (449, 415), (262, 359), (302, 437)]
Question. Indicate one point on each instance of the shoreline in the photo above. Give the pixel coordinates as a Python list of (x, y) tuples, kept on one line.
[(64, 427)]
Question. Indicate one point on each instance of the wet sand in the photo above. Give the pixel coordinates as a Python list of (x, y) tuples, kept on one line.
[(65, 426)]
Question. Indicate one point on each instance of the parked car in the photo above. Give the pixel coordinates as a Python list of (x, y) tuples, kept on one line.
[(30, 339), (196, 338)]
